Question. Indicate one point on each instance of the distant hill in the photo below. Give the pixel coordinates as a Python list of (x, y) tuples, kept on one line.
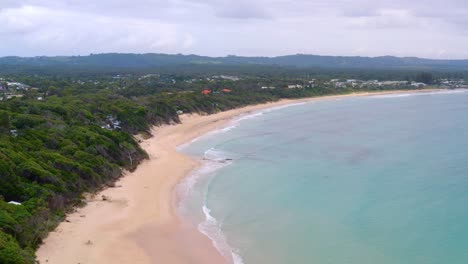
[(139, 61)]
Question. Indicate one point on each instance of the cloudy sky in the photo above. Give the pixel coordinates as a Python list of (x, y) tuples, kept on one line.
[(424, 28)]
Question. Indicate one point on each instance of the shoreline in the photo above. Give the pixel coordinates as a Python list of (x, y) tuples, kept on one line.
[(139, 222)]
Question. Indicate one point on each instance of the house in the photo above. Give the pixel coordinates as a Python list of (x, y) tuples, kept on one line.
[(15, 203), (14, 132), (393, 83), (227, 77), (340, 84), (268, 87), (206, 92), (11, 95), (112, 123), (418, 84), (18, 86), (225, 90), (295, 86)]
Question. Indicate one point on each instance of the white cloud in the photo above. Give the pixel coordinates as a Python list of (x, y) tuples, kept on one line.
[(426, 28), (388, 18), (39, 30)]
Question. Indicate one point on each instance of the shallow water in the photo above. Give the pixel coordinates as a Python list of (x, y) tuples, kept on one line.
[(380, 179)]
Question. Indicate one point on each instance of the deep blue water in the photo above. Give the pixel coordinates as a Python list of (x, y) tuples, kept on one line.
[(381, 179)]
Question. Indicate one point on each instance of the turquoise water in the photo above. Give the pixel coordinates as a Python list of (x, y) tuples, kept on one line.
[(381, 179)]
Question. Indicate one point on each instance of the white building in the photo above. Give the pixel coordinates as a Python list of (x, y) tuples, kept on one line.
[(295, 86)]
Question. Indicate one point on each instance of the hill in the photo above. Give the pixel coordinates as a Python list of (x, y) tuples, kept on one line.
[(145, 61)]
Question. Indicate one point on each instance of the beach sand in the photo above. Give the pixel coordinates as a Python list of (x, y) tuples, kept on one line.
[(138, 223)]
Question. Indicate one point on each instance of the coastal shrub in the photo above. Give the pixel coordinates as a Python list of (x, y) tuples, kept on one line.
[(12, 253), (4, 123)]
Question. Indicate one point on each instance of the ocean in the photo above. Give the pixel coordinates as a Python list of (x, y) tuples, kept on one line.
[(357, 180)]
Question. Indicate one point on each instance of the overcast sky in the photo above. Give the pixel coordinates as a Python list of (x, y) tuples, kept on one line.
[(423, 28)]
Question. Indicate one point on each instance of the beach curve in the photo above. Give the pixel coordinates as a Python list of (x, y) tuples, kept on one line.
[(137, 222)]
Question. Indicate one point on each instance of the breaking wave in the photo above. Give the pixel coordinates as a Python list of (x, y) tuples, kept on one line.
[(212, 229)]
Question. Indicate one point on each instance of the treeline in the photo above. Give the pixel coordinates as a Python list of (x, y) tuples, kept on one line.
[(151, 60), (80, 138), (246, 70)]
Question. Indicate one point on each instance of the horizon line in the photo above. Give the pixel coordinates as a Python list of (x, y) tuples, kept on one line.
[(231, 55)]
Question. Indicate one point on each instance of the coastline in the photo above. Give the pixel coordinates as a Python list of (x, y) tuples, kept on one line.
[(139, 223)]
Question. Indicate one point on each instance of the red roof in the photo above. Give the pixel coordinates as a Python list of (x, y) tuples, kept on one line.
[(226, 90), (206, 91)]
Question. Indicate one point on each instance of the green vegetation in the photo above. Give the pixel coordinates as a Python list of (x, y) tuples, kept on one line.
[(144, 61), (73, 133)]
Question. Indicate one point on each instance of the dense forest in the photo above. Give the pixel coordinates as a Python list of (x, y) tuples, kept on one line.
[(74, 133), (139, 61)]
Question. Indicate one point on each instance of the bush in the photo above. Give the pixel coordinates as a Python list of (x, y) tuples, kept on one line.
[(11, 252)]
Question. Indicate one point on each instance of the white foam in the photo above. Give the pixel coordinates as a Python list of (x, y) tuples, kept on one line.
[(249, 116), (284, 106), (235, 122), (420, 93), (212, 229), (214, 154), (392, 95), (259, 113), (226, 129), (450, 91), (214, 160), (208, 167)]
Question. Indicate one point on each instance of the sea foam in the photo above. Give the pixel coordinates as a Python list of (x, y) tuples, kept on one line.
[(236, 121), (213, 160), (212, 229), (397, 95)]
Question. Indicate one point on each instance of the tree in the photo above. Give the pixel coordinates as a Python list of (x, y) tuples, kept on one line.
[(10, 251), (424, 77), (4, 123)]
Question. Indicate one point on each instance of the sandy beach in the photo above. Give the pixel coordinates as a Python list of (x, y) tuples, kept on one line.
[(138, 222)]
